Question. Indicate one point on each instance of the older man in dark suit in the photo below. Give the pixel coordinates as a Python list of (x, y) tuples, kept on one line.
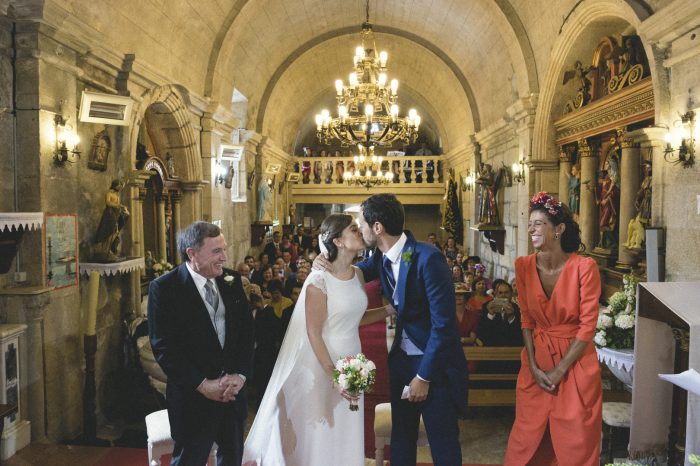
[(201, 331)]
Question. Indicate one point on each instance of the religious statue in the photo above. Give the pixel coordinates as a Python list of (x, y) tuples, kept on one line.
[(607, 197), (584, 85), (265, 201), (293, 213), (643, 200), (574, 184), (635, 234), (106, 241), (170, 164), (489, 183)]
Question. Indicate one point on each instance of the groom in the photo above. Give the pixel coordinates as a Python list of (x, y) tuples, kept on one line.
[(426, 355)]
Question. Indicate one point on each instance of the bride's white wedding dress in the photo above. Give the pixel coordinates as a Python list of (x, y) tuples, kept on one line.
[(303, 420)]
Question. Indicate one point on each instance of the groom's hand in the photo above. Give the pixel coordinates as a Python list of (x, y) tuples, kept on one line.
[(322, 263), (418, 390), (232, 384)]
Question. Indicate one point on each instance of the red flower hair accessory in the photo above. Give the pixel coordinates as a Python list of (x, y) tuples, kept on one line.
[(544, 200)]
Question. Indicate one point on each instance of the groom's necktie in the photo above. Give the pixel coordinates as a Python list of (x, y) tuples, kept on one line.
[(210, 294), (389, 273)]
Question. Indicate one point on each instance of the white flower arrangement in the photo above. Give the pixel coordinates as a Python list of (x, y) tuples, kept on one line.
[(161, 267), (355, 375), (615, 328)]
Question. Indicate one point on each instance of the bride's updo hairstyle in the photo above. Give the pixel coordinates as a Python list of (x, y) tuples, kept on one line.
[(331, 228), (557, 212)]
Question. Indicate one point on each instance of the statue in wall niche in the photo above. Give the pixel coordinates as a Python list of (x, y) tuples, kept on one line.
[(170, 164), (607, 197), (643, 200), (583, 96), (265, 201), (488, 182), (574, 185), (635, 234), (105, 247)]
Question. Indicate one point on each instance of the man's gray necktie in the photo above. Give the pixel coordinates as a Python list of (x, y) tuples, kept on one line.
[(210, 294)]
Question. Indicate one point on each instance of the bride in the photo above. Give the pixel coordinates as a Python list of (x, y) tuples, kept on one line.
[(304, 419)]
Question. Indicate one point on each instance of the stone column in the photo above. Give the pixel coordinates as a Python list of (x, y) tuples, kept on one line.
[(162, 245), (588, 211), (177, 198), (564, 171), (191, 205), (629, 185)]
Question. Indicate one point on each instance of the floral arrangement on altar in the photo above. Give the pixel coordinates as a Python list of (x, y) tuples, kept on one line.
[(694, 459), (615, 327), (161, 267), (355, 375)]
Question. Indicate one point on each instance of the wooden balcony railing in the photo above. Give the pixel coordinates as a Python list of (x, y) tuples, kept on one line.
[(416, 179)]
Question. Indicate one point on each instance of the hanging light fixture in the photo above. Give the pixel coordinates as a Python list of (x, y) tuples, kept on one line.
[(368, 112), (368, 170)]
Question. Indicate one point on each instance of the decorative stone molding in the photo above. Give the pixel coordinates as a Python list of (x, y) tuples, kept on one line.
[(630, 105), (17, 220), (671, 22)]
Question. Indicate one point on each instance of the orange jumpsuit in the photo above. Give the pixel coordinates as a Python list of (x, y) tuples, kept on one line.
[(573, 411)]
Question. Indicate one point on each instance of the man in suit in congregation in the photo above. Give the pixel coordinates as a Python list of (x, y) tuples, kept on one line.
[(201, 331), (426, 355)]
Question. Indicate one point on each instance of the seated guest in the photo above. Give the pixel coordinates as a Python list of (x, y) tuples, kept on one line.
[(500, 323), (480, 272), (268, 339), (459, 259), (243, 269), (467, 322), (451, 249), (274, 248), (457, 278), (287, 313), (471, 262), (250, 262), (479, 296), (266, 277), (514, 287), (432, 239), (296, 280), (256, 272), (278, 302), (469, 280)]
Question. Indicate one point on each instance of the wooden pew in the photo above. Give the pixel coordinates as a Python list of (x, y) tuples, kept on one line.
[(492, 396)]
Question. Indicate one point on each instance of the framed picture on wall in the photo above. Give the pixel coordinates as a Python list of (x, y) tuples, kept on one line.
[(61, 249), (99, 152), (293, 177)]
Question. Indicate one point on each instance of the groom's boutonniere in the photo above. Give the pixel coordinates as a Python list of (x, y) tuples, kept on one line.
[(229, 279), (407, 256)]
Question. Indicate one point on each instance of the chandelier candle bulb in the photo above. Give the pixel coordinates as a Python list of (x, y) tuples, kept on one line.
[(382, 79), (339, 86), (383, 57), (394, 86)]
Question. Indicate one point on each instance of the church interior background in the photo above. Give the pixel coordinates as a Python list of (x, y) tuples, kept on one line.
[(198, 106)]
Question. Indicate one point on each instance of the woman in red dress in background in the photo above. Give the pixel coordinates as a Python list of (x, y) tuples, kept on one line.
[(559, 396)]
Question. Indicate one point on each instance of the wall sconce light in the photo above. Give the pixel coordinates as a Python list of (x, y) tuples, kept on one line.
[(468, 181), (65, 138), (685, 153), (220, 173), (518, 169)]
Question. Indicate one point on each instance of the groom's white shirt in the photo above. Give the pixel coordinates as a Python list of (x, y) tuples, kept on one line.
[(394, 256)]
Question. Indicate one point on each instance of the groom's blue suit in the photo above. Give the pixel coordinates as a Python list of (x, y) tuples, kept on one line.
[(426, 312)]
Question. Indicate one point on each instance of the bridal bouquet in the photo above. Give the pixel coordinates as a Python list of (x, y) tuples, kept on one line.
[(355, 375)]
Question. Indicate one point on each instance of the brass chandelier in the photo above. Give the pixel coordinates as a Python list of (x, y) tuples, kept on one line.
[(368, 113), (368, 170)]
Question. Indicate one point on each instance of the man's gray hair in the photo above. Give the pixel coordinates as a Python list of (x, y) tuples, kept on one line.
[(193, 237)]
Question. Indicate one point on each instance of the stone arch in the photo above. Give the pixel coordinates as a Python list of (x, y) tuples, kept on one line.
[(352, 30), (180, 140), (577, 23), (509, 21)]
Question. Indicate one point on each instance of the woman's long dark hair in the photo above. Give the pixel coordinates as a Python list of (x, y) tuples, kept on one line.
[(571, 238), (331, 228)]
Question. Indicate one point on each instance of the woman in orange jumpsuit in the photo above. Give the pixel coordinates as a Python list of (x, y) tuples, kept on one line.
[(559, 396)]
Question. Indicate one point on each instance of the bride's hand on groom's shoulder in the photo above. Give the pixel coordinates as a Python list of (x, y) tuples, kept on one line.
[(322, 263)]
